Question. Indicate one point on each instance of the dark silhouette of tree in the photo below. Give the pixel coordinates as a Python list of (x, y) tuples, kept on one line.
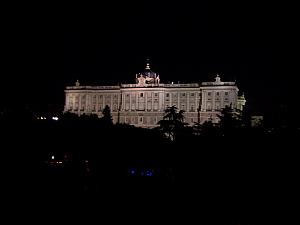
[(244, 117), (107, 118), (68, 116), (229, 120), (173, 122), (209, 129)]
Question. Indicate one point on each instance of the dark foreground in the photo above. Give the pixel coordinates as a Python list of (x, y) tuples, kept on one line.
[(126, 175)]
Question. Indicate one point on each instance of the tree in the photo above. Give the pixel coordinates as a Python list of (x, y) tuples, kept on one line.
[(107, 118), (173, 122), (229, 119)]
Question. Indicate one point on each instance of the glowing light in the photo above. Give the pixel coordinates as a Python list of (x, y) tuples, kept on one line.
[(132, 171), (149, 173), (52, 157), (55, 118)]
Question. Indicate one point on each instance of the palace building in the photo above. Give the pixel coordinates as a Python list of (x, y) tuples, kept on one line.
[(143, 103)]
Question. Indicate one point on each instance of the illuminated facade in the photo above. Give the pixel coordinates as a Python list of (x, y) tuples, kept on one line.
[(142, 104)]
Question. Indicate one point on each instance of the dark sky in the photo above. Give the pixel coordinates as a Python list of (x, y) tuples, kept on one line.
[(107, 44)]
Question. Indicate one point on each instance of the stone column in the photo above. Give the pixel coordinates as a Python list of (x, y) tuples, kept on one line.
[(203, 104), (130, 102), (178, 99), (152, 101), (97, 104), (188, 101), (79, 103), (137, 105), (124, 101), (111, 102), (213, 101), (146, 101)]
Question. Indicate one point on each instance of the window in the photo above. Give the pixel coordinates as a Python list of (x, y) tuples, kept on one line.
[(182, 94), (217, 106), (192, 108), (217, 93), (155, 94), (208, 106), (209, 93), (192, 94), (167, 95), (115, 107), (141, 95), (226, 93)]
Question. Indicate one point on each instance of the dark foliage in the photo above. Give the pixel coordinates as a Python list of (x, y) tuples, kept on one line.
[(226, 179)]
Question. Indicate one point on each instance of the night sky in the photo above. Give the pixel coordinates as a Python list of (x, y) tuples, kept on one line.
[(109, 44)]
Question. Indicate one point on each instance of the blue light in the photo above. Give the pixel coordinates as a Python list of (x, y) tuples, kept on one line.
[(149, 173), (132, 171)]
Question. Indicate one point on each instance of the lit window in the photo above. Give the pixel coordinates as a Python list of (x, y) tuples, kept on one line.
[(192, 108), (208, 106)]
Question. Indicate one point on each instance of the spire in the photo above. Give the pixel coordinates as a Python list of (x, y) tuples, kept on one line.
[(218, 79), (147, 64)]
